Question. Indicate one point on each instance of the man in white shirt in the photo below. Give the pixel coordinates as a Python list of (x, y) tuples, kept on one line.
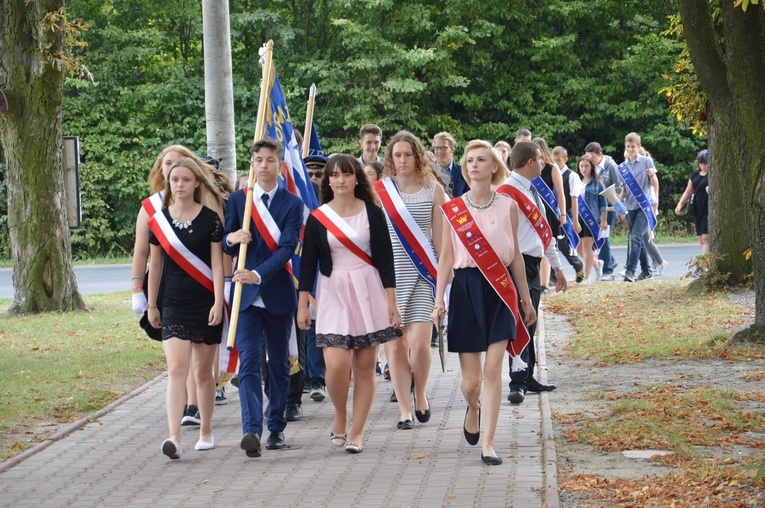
[(526, 160)]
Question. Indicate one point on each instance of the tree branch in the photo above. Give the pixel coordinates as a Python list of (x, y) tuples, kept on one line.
[(704, 47)]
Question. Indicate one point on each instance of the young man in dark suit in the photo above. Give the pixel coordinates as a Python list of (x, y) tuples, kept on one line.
[(443, 148), (269, 300)]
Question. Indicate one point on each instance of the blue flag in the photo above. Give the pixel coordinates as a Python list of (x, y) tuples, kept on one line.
[(314, 148), (279, 127)]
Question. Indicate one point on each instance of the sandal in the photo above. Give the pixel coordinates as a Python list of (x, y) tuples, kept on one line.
[(352, 448), (337, 439)]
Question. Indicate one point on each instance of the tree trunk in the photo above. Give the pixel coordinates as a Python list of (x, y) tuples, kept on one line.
[(30, 132), (728, 233), (219, 86), (731, 77)]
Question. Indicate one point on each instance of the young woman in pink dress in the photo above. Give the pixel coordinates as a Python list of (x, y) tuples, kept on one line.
[(356, 309)]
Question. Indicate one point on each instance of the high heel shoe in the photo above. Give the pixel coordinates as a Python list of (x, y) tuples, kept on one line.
[(472, 438)]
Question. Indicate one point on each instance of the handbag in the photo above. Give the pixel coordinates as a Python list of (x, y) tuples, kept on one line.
[(691, 205)]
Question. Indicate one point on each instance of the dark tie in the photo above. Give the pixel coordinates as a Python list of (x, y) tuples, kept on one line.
[(265, 198), (535, 196)]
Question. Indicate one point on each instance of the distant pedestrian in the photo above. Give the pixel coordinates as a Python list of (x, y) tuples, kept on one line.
[(696, 195)]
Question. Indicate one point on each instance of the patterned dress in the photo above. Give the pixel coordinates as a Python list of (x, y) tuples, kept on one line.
[(413, 292)]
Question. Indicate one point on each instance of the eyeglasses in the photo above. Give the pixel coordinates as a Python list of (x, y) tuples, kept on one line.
[(441, 148), (316, 174)]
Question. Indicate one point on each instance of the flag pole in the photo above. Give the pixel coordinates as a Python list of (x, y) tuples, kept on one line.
[(266, 54), (309, 120)]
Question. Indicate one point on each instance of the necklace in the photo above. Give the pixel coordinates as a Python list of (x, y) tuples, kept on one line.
[(181, 225), (481, 208)]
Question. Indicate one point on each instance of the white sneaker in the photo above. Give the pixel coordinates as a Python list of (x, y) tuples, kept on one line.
[(599, 272), (205, 445), (586, 281), (660, 268), (171, 449)]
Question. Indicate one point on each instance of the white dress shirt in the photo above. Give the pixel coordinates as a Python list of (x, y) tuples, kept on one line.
[(529, 240)]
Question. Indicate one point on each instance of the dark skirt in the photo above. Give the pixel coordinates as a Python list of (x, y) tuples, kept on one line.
[(477, 316), (585, 233), (702, 224)]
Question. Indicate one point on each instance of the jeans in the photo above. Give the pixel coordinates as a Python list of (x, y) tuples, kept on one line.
[(637, 222), (605, 251), (316, 369)]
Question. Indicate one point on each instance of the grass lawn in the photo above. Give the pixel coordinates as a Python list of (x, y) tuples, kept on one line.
[(57, 368), (714, 431)]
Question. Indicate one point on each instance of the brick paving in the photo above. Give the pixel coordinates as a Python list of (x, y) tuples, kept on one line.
[(115, 460)]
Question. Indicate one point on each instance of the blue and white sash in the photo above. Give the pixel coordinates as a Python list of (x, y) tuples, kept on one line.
[(640, 196), (591, 222), (552, 201), (413, 240)]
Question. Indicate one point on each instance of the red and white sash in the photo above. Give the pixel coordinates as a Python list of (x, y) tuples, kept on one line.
[(529, 210), (152, 204), (412, 239), (173, 247), (492, 268), (343, 231), (267, 227)]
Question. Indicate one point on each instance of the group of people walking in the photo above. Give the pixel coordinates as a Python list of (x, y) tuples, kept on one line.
[(398, 244)]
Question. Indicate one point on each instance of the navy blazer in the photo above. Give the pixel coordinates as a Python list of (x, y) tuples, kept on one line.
[(459, 185), (276, 286)]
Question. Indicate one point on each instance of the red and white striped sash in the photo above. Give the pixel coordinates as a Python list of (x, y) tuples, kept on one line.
[(343, 231)]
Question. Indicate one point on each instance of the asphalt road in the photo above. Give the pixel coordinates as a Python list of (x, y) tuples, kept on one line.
[(95, 279)]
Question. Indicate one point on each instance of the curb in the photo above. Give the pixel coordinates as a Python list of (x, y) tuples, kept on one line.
[(552, 496), (76, 425)]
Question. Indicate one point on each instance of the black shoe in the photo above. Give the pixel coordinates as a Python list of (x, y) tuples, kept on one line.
[(517, 395), (491, 461), (293, 412), (191, 416), (275, 441), (645, 276), (422, 416), (471, 438), (535, 386), (405, 425), (393, 396), (250, 444)]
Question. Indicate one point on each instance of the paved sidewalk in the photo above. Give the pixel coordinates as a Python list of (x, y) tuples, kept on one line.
[(116, 461)]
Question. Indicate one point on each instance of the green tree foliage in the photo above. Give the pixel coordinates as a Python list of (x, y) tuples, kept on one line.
[(571, 71)]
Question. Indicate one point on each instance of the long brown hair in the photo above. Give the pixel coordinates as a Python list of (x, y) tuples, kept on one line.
[(421, 159), (349, 165)]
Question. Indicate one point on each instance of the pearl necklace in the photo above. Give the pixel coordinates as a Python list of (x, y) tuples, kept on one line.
[(481, 208)]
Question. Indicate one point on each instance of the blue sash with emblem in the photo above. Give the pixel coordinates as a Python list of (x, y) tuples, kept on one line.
[(636, 191), (552, 201), (591, 222)]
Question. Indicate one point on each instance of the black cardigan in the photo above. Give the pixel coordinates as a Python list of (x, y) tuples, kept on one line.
[(316, 250)]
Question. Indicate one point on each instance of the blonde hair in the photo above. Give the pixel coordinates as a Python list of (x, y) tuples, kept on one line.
[(422, 163), (633, 137), (448, 137), (156, 178), (206, 192), (497, 177)]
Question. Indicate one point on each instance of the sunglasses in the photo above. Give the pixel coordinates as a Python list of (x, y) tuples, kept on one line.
[(316, 174)]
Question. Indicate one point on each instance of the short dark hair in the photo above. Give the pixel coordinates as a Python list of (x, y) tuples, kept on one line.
[(522, 152), (269, 143), (703, 157), (370, 128), (593, 147), (522, 132)]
